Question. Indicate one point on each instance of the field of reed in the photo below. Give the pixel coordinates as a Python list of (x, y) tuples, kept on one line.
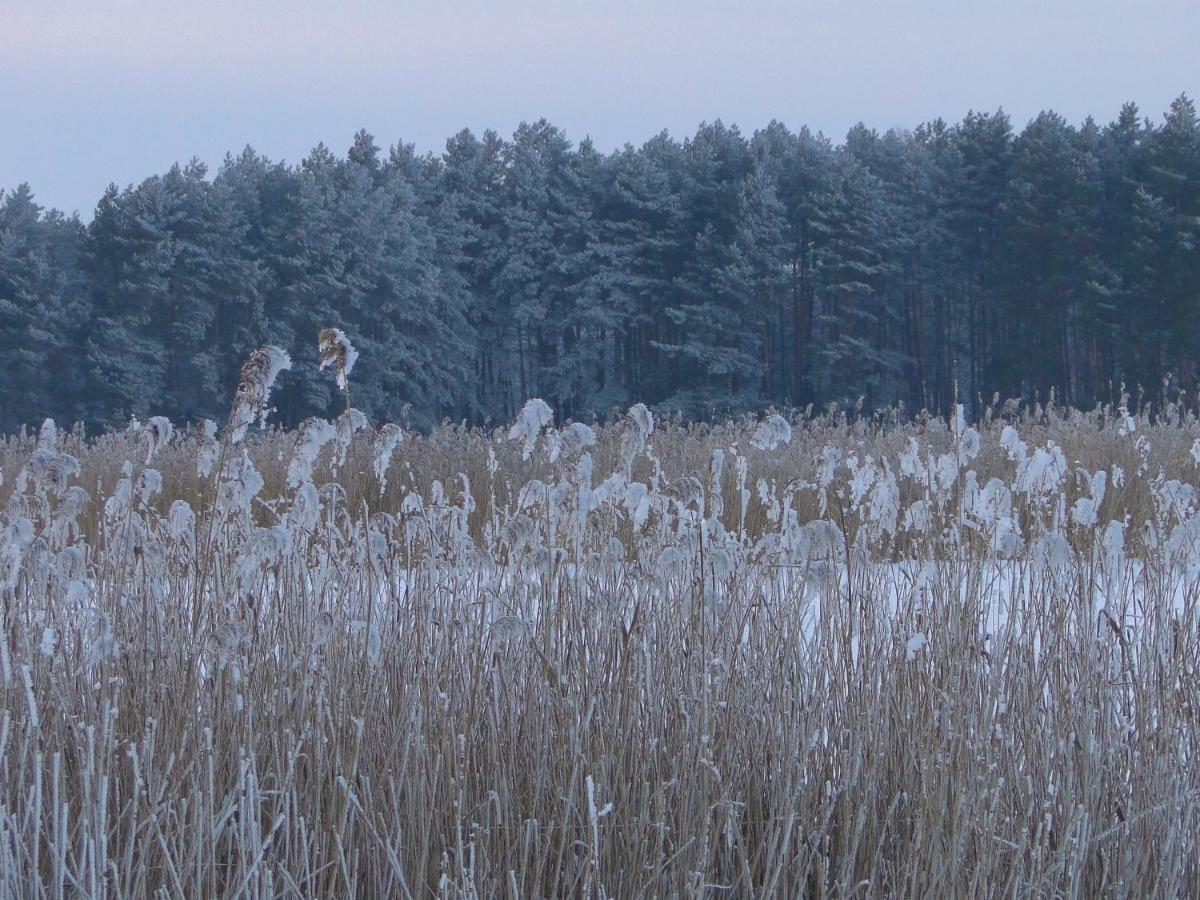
[(815, 656)]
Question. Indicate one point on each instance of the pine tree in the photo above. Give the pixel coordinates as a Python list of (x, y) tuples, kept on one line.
[(978, 332), (853, 361), (548, 236), (128, 262), (642, 243), (1048, 248), (801, 167), (469, 189), (42, 316), (709, 276), (1174, 178)]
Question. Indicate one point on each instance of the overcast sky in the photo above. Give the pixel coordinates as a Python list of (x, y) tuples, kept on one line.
[(93, 91)]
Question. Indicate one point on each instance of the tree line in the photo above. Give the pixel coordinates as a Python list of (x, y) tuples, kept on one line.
[(718, 274)]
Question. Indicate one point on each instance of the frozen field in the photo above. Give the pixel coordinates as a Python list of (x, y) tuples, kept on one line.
[(823, 656)]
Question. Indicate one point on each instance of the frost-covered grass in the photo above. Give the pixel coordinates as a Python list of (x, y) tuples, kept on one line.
[(814, 657)]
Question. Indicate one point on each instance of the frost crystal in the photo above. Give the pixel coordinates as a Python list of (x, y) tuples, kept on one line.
[(910, 462), (969, 444), (345, 425), (306, 508), (571, 441), (533, 417), (1011, 441), (771, 432), (311, 436), (1086, 509), (1128, 423), (48, 436), (914, 645), (642, 419), (181, 521), (389, 437), (254, 389), (158, 432), (337, 352), (240, 484), (149, 484), (1042, 472), (916, 517), (633, 441), (210, 450)]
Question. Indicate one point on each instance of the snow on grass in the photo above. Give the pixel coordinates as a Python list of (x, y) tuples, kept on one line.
[(626, 656)]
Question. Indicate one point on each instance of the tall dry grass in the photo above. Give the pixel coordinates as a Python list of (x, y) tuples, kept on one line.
[(506, 677)]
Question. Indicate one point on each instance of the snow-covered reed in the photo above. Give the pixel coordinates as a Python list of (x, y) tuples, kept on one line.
[(798, 657)]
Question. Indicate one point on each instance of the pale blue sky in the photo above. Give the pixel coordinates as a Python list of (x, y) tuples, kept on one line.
[(94, 91)]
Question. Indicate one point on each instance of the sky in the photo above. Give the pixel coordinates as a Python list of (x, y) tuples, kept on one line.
[(93, 91)]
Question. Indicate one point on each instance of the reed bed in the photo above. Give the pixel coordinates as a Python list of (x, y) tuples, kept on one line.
[(811, 656)]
